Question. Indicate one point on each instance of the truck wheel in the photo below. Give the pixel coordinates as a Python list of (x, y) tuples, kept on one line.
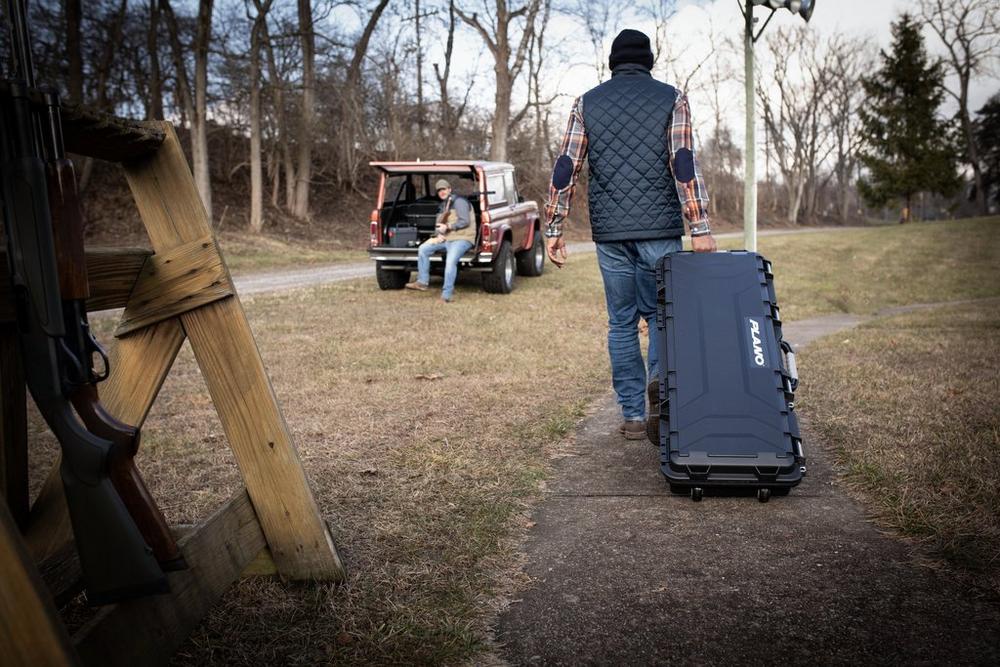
[(500, 279), (531, 262), (389, 278)]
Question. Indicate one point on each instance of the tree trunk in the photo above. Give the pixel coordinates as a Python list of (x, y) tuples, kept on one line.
[(505, 71), (74, 51), (844, 192), (501, 112), (972, 151), (103, 74), (445, 121), (353, 99), (303, 173), (155, 76), (256, 173), (182, 85), (796, 190), (199, 131), (278, 93)]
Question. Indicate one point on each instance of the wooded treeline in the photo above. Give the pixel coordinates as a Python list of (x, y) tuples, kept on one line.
[(282, 104)]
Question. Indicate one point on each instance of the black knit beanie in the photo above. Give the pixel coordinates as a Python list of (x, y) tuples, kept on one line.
[(631, 46)]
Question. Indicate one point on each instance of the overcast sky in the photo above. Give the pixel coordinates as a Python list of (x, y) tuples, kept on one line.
[(688, 29), (571, 71)]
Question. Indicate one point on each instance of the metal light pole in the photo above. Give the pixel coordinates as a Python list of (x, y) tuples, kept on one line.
[(805, 9), (750, 147)]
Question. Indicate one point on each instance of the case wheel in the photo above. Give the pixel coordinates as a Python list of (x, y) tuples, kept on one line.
[(697, 493), (763, 495)]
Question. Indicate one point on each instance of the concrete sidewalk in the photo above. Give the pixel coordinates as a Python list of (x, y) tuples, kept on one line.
[(624, 573)]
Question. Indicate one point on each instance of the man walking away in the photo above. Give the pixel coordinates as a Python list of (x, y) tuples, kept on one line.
[(644, 181), (455, 234)]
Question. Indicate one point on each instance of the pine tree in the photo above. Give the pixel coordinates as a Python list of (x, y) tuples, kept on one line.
[(988, 142), (909, 148)]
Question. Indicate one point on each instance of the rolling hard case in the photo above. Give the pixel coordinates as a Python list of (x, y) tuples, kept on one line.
[(727, 379)]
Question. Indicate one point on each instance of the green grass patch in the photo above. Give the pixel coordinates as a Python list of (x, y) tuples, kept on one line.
[(864, 270), (911, 406)]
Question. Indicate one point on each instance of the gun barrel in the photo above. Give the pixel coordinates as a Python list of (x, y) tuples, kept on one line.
[(17, 12), (31, 256)]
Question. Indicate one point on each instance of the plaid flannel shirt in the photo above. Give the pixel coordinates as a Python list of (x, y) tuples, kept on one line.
[(692, 194)]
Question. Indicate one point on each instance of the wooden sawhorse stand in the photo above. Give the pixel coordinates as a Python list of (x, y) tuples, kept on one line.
[(182, 291)]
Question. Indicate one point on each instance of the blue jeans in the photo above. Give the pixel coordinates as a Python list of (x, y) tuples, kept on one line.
[(454, 250), (629, 272)]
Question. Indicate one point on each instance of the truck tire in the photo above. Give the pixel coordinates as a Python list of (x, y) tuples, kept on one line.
[(389, 278), (531, 262), (500, 279)]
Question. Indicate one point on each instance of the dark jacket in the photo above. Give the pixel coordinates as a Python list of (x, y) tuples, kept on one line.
[(633, 195)]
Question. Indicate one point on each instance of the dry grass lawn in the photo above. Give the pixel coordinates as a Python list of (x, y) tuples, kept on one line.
[(427, 431), (251, 252), (863, 270), (911, 406)]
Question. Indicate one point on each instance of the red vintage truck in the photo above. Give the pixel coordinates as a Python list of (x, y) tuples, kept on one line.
[(509, 238)]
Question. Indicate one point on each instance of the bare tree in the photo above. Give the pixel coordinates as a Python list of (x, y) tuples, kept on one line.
[(352, 101), (722, 157), (256, 173), (497, 35), (303, 173), (659, 12), (419, 48), (600, 20), (155, 111), (794, 120), (195, 102), (970, 32), (277, 87), (202, 170), (449, 115), (74, 16), (851, 58)]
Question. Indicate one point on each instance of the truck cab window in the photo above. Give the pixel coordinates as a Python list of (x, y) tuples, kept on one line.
[(495, 184), (509, 187)]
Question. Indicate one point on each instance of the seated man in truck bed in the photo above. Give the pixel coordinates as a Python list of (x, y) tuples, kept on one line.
[(456, 233)]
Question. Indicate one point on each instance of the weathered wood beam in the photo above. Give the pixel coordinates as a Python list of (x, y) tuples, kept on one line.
[(183, 278), (149, 630), (31, 633), (89, 132), (234, 373), (112, 273)]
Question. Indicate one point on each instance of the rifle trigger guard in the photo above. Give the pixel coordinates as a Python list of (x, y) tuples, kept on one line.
[(95, 347), (74, 373)]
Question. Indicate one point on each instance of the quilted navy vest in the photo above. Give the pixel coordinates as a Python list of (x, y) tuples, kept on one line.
[(633, 196)]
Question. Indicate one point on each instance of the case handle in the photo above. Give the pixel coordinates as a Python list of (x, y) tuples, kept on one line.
[(793, 371)]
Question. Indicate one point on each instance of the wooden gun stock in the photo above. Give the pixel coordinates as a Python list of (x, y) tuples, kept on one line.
[(126, 478)]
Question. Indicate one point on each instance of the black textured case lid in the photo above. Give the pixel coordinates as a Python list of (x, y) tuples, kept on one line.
[(723, 363)]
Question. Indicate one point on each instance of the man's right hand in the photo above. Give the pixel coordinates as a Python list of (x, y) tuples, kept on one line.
[(703, 243), (555, 248)]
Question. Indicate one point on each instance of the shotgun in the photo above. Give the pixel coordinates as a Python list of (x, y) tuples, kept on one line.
[(56, 344), (67, 232)]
